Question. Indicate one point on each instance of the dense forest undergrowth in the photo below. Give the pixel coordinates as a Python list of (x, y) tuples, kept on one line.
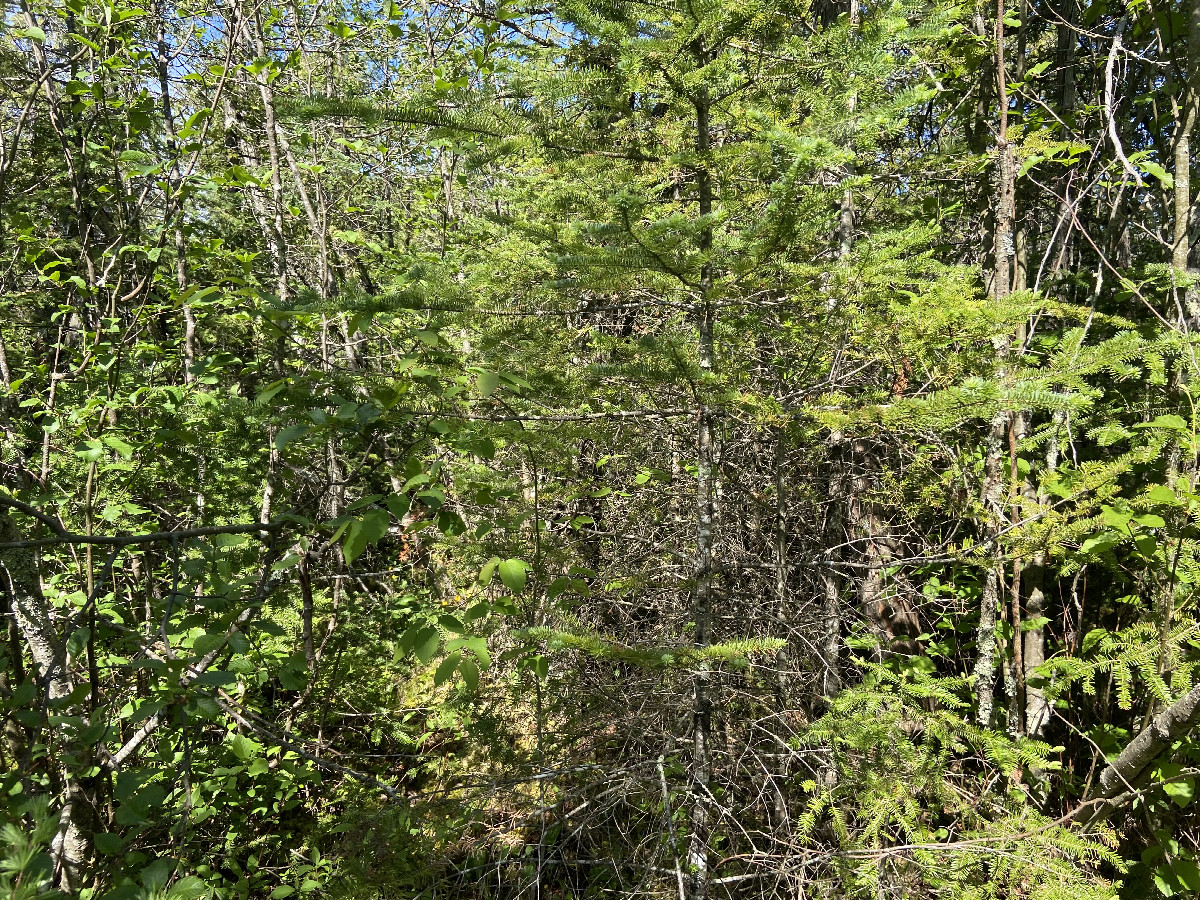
[(637, 448)]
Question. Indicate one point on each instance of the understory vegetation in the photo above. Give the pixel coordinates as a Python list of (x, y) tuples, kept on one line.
[(599, 448)]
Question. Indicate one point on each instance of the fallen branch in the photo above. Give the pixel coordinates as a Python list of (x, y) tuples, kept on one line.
[(1116, 784)]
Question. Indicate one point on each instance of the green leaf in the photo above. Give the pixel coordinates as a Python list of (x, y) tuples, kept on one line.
[(446, 668), (488, 570), (109, 843), (478, 646), (1181, 792), (1160, 493), (1170, 421), (290, 434), (1158, 172), (486, 383), (450, 523), (208, 642), (361, 532), (1182, 876), (470, 674), (418, 479), (478, 611), (1114, 518), (432, 498), (1187, 873), (513, 573), (187, 888), (428, 640), (242, 747), (284, 890), (215, 677), (1149, 520), (398, 505), (1100, 542), (89, 450), (264, 396), (155, 875), (1093, 638), (124, 450)]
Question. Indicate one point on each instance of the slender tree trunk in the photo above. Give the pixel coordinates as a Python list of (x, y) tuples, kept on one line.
[(993, 499), (1037, 707), (787, 665), (71, 847), (1185, 126), (271, 133), (701, 767), (162, 63)]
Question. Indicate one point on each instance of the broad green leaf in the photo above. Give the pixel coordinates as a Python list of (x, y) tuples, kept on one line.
[(418, 479), (450, 523), (1114, 518), (242, 747), (1181, 792), (1170, 421), (215, 677), (123, 449), (1093, 638), (206, 643), (487, 382), (89, 450), (446, 668), (470, 674), (109, 843), (398, 505), (488, 570), (361, 532), (1165, 177), (432, 498), (427, 643), (1187, 873), (187, 888), (478, 611), (409, 639), (290, 434), (264, 396), (1160, 493), (513, 573)]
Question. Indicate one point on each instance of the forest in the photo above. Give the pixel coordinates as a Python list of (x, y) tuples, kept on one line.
[(546, 449)]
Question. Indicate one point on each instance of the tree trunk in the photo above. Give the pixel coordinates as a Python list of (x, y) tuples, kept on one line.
[(701, 768), (71, 847), (1003, 253), (1185, 126), (1037, 707)]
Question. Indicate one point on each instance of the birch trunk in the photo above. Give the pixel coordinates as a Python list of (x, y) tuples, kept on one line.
[(71, 847)]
